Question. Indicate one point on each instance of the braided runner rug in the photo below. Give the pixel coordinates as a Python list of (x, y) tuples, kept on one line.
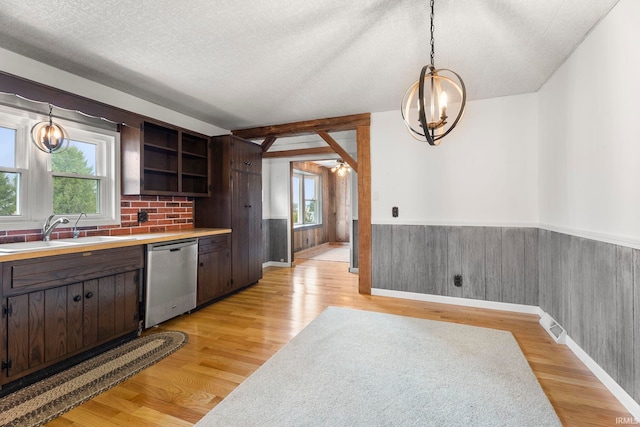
[(47, 399)]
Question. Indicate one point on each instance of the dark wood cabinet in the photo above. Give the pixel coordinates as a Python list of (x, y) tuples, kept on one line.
[(214, 267), (163, 160), (59, 306), (236, 203)]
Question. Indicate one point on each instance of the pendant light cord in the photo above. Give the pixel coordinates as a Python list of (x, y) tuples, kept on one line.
[(432, 40)]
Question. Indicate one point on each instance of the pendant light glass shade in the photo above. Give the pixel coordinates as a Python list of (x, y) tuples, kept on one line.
[(49, 137)]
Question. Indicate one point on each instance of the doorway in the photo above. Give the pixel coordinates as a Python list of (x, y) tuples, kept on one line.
[(321, 211), (361, 124)]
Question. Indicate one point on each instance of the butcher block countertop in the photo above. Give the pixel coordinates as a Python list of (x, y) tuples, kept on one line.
[(88, 244)]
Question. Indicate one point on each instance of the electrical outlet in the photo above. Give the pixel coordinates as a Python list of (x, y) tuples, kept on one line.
[(143, 216), (394, 212), (457, 280)]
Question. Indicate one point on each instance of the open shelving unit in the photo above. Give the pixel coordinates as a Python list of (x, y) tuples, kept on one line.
[(163, 160)]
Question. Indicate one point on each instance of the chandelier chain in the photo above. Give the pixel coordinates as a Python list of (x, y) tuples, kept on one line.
[(432, 41)]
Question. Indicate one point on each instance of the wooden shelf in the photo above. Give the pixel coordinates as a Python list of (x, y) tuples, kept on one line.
[(156, 170), (194, 155), (165, 160), (195, 175), (148, 145)]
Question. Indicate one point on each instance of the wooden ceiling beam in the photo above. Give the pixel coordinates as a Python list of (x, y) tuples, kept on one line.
[(339, 150), (300, 152), (333, 124), (267, 143)]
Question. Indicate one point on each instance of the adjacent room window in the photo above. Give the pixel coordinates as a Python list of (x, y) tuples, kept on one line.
[(33, 185), (306, 198)]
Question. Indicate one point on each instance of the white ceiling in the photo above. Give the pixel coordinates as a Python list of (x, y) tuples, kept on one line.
[(239, 64)]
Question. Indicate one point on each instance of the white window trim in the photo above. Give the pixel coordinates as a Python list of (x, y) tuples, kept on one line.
[(318, 199), (36, 181)]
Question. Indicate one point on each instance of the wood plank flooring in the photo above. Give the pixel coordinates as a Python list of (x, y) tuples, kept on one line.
[(322, 249), (232, 338)]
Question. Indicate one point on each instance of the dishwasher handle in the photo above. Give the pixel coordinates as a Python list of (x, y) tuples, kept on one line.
[(174, 245)]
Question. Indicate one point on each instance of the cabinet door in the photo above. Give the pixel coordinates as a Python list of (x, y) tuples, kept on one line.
[(246, 156), (55, 323), (90, 306), (75, 318), (117, 298), (254, 225), (214, 275), (106, 307), (18, 335), (42, 327), (127, 302), (240, 210)]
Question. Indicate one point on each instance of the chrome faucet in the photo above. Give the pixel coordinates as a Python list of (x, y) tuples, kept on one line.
[(48, 226), (76, 232)]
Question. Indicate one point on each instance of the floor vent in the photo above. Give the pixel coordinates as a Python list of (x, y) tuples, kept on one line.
[(553, 328)]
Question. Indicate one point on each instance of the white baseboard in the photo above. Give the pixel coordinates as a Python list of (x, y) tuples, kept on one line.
[(465, 302), (353, 270), (545, 319), (627, 401), (275, 264)]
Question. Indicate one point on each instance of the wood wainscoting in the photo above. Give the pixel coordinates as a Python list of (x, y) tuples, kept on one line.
[(230, 339)]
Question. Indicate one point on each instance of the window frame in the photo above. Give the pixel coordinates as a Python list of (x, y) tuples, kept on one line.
[(300, 174), (36, 180)]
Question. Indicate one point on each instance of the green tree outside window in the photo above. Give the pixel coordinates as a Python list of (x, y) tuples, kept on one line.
[(74, 195), (8, 193)]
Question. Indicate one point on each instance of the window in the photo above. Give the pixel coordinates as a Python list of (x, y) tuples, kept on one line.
[(306, 198), (75, 185), (33, 184), (9, 174)]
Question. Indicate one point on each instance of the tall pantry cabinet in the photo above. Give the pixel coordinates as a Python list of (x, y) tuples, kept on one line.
[(236, 203)]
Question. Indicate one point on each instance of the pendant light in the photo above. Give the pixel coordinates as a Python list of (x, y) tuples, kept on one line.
[(50, 137), (341, 168), (430, 101)]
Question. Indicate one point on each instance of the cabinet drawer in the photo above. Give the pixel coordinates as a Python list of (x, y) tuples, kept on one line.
[(40, 273), (214, 243)]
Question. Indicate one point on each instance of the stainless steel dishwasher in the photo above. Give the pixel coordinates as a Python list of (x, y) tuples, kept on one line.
[(171, 280)]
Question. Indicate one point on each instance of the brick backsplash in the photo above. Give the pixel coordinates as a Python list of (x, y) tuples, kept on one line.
[(166, 213)]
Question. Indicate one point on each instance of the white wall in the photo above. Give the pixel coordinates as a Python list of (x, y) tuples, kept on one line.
[(275, 185), (589, 135), (18, 65), (483, 173)]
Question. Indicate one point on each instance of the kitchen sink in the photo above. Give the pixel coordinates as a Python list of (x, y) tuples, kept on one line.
[(61, 243), (30, 246), (95, 239)]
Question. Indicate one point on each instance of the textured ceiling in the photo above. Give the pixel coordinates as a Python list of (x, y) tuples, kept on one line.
[(239, 64)]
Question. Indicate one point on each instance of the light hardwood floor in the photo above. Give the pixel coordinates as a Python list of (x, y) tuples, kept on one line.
[(232, 338)]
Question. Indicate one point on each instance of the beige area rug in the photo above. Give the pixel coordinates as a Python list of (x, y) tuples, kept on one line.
[(43, 401), (360, 368)]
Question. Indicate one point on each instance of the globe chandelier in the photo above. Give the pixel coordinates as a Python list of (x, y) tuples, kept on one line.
[(430, 102), (49, 136)]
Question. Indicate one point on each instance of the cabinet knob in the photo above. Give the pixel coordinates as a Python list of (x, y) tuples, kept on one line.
[(88, 295), (77, 298), (247, 206), (247, 163), (202, 264)]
